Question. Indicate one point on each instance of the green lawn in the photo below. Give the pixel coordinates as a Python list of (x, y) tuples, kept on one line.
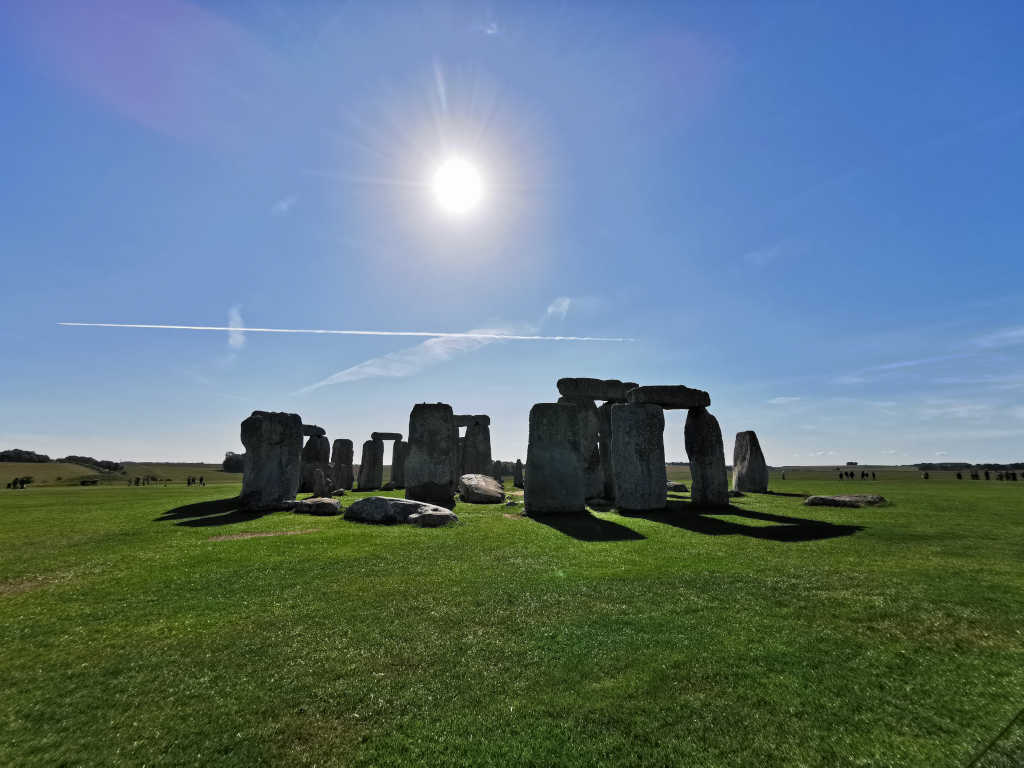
[(769, 635)]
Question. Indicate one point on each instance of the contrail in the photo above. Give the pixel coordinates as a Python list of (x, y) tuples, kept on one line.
[(439, 334)]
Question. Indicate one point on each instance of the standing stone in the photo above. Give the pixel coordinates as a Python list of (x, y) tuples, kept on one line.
[(638, 456), (604, 445), (341, 459), (460, 453), (431, 473), (321, 487), (517, 474), (273, 459), (316, 454), (371, 466), (749, 469), (398, 453), (497, 472), (704, 447), (476, 456), (593, 477), (554, 480)]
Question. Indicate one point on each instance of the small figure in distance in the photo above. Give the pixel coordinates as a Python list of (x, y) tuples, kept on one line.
[(873, 476), (959, 476), (202, 482)]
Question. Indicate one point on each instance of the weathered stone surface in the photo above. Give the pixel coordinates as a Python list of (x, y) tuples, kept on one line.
[(385, 435), (749, 469), (554, 478), (321, 483), (604, 446), (676, 487), (710, 480), (312, 430), (846, 500), (371, 466), (498, 472), (434, 518), (318, 505), (480, 489), (341, 464), (517, 474), (669, 397), (596, 389), (398, 454), (273, 459), (431, 473), (316, 455), (463, 420), (387, 509), (638, 456), (476, 449), (593, 476)]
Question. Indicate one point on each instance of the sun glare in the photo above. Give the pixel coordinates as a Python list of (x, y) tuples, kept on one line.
[(457, 186)]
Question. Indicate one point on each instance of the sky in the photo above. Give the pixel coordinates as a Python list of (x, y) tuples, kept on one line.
[(812, 211)]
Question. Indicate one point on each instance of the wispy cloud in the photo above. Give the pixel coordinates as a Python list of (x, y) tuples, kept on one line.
[(236, 337), (284, 206), (559, 307), (783, 400), (1007, 337), (412, 360)]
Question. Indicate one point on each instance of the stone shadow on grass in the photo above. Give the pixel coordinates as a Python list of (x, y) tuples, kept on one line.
[(702, 520), (583, 526), (205, 514)]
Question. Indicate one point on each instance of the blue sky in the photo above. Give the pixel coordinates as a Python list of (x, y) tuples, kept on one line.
[(813, 211)]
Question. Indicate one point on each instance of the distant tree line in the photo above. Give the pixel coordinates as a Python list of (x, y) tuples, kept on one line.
[(233, 462), (17, 454), (950, 466)]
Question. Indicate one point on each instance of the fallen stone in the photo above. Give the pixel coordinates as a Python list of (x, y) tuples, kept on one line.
[(595, 389), (749, 469), (389, 486), (319, 505), (385, 435), (312, 430), (431, 473), (670, 397), (554, 477), (389, 510), (676, 487), (845, 500), (273, 459), (735, 494), (709, 486), (638, 456), (435, 518), (480, 489)]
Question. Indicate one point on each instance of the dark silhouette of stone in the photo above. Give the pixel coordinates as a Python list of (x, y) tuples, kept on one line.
[(638, 456), (431, 473), (480, 489), (476, 452), (710, 480), (463, 420), (316, 454), (612, 390), (554, 478), (312, 430), (273, 459), (749, 469), (670, 397), (517, 474), (398, 454), (386, 436), (341, 464), (371, 466)]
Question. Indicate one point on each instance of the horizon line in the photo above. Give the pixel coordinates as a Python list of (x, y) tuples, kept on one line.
[(430, 334)]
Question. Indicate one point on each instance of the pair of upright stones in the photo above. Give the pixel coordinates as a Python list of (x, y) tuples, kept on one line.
[(371, 466), (325, 467), (474, 450), (628, 444)]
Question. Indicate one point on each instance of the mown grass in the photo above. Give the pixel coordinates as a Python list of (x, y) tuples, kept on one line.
[(772, 634)]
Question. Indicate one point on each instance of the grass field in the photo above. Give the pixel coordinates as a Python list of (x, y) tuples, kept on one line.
[(771, 634), (60, 473)]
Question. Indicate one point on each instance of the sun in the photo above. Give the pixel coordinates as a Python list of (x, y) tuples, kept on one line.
[(457, 186)]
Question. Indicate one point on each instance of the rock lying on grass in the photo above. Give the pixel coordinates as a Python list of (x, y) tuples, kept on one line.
[(388, 510), (676, 487), (317, 505), (480, 489), (845, 500)]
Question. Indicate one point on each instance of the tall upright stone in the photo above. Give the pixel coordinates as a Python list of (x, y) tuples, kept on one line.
[(273, 459), (341, 463), (704, 447), (398, 453), (316, 455), (554, 460), (431, 471), (371, 466), (476, 456), (604, 445), (517, 474), (638, 456), (593, 477), (497, 471), (749, 469)]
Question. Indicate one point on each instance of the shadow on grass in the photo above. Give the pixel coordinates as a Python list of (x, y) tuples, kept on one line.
[(206, 514), (702, 520), (585, 527)]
